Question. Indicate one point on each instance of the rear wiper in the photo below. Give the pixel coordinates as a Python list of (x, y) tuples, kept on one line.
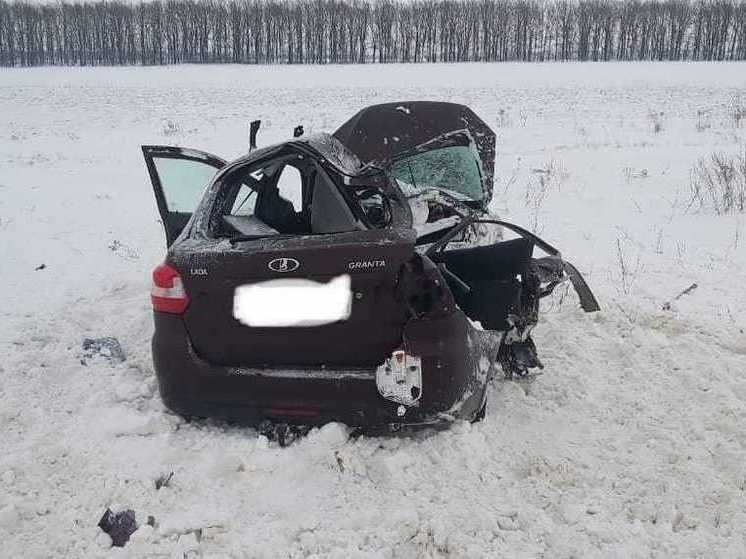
[(242, 238)]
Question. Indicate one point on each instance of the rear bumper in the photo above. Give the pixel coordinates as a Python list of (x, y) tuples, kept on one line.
[(454, 378)]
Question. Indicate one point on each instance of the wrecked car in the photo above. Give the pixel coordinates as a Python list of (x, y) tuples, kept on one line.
[(354, 277)]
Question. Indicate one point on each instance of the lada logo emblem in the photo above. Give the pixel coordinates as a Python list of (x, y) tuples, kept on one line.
[(283, 265)]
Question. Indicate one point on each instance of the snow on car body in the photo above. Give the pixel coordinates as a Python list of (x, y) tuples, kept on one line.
[(386, 222)]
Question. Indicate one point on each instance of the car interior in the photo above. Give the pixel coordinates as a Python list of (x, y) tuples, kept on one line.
[(286, 196)]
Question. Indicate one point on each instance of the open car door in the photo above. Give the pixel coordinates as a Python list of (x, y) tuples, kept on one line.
[(179, 177)]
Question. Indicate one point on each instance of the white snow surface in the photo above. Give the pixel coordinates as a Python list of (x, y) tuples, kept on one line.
[(632, 443)]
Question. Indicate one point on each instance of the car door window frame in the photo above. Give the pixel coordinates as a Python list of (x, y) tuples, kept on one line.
[(151, 153)]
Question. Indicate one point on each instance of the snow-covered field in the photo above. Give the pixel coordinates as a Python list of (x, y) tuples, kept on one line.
[(631, 444)]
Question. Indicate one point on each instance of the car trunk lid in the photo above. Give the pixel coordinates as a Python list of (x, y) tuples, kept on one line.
[(367, 337)]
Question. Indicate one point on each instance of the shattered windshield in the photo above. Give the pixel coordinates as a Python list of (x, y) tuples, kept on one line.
[(453, 170)]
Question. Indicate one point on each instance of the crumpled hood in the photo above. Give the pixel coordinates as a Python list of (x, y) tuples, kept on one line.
[(380, 133)]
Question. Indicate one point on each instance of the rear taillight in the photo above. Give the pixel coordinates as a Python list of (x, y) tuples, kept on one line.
[(167, 293)]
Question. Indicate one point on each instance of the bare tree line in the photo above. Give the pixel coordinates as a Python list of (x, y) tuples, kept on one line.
[(364, 31)]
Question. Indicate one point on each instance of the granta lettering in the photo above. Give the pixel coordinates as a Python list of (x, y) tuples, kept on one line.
[(366, 264)]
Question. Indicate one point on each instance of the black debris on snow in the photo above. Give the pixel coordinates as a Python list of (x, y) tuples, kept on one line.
[(119, 526), (108, 347)]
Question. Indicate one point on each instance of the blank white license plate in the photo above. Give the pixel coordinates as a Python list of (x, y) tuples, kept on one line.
[(293, 302)]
